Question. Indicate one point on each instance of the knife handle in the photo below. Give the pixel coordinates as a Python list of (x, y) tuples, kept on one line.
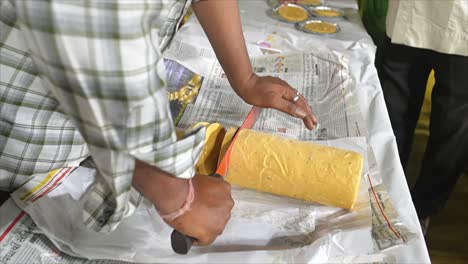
[(181, 243)]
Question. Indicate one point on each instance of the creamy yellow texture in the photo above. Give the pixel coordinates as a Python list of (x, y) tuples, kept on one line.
[(293, 13), (321, 27), (208, 161), (226, 143), (327, 13), (301, 170)]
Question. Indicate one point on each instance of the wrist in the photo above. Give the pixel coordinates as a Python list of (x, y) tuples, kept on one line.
[(164, 190), (244, 86), (187, 206)]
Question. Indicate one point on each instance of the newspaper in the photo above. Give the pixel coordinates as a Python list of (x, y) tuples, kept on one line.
[(324, 81), (21, 241), (387, 230), (178, 77)]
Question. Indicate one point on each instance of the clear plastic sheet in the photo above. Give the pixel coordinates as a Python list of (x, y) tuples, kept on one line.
[(263, 227)]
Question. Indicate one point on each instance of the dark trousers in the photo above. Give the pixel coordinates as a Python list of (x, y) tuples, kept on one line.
[(403, 75)]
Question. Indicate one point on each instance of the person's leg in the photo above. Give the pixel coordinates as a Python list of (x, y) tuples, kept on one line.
[(447, 150), (403, 75)]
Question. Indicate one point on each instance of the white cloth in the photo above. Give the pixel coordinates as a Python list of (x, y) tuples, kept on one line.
[(440, 25)]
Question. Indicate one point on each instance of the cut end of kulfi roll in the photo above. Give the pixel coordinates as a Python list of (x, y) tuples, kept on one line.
[(208, 161)]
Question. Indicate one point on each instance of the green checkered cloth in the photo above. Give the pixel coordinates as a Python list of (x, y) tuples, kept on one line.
[(83, 78)]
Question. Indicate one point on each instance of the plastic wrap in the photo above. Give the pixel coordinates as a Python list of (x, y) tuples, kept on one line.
[(263, 227)]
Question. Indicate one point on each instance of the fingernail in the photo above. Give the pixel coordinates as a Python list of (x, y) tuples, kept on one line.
[(300, 113), (317, 126), (311, 125)]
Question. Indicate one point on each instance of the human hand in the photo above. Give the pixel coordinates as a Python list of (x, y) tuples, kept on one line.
[(210, 210), (219, 17), (272, 92)]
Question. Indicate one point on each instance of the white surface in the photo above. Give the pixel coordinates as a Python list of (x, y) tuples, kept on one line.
[(353, 42), (357, 46), (263, 227)]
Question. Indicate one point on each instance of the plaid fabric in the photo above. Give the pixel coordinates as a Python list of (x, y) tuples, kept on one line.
[(80, 78)]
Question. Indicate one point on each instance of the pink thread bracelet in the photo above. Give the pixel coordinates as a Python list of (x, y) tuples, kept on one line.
[(185, 207)]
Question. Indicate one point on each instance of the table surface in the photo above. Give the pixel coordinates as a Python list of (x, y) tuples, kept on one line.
[(353, 42)]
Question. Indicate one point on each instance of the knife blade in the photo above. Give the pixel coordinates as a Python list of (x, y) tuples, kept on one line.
[(181, 243)]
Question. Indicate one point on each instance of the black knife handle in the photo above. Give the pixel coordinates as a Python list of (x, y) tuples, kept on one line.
[(181, 243)]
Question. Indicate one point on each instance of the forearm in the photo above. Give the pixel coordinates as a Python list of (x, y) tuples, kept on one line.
[(162, 188), (221, 21)]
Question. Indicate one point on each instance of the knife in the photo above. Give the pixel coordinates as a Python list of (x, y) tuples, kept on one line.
[(181, 243)]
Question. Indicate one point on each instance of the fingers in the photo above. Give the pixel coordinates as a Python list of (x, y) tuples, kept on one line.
[(308, 118), (272, 92), (204, 240), (309, 108), (211, 210), (290, 94), (216, 228), (310, 121), (288, 107), (286, 91), (283, 100)]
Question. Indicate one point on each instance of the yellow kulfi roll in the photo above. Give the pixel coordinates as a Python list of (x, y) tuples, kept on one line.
[(297, 169), (208, 161)]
